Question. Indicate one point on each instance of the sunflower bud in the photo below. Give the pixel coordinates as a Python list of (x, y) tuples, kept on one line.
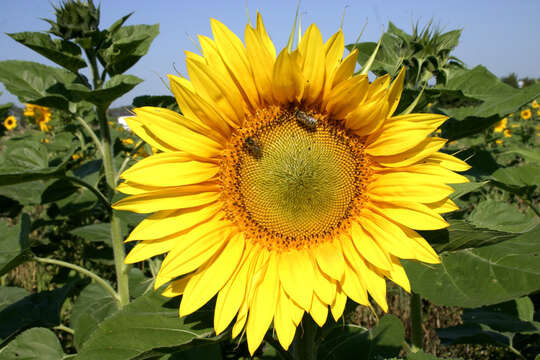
[(75, 19)]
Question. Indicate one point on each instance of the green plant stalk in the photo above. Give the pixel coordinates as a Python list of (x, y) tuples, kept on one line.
[(91, 133), (94, 190), (83, 271), (416, 322), (304, 346), (116, 231)]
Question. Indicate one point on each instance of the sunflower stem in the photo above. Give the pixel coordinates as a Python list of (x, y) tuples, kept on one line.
[(116, 231), (416, 322), (304, 346)]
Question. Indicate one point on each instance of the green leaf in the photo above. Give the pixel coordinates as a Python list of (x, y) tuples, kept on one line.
[(11, 294), (95, 232), (118, 23), (420, 355), (62, 52), (149, 326), (204, 352), (164, 101), (40, 309), (387, 60), (58, 190), (93, 305), (29, 194), (502, 216), (463, 235), (497, 98), (34, 344), (527, 154), (483, 276), (37, 84), (518, 177), (117, 86), (466, 188), (14, 244), (349, 340), (127, 45), (496, 324)]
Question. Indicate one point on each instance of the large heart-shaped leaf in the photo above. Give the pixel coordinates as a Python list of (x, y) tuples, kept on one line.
[(149, 326), (14, 244), (483, 276), (62, 52), (34, 344)]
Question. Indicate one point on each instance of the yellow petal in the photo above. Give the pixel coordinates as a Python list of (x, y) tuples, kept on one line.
[(287, 79), (232, 295), (430, 170), (233, 53), (398, 275), (311, 48), (346, 69), (146, 249), (318, 311), (148, 136), (324, 286), (169, 222), (443, 206), (376, 285), (353, 286), (407, 187), (296, 276), (426, 148), (263, 306), (283, 322), (194, 249), (448, 161), (413, 215), (211, 277), (330, 259), (400, 136), (177, 287), (368, 117), (195, 107), (216, 90), (263, 35), (240, 319), (338, 306), (169, 198), (365, 245), (169, 169), (346, 96), (261, 59), (394, 93)]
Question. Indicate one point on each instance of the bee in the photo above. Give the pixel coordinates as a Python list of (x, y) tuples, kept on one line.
[(253, 146), (307, 120)]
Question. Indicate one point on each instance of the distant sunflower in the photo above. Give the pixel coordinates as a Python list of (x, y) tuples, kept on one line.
[(526, 114), (41, 114), (535, 104), (10, 122), (287, 185), (501, 125)]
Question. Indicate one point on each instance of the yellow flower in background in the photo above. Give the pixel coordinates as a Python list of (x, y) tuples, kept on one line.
[(501, 125), (535, 104), (526, 114), (507, 133), (127, 141), (499, 141), (538, 112), (287, 186), (41, 114), (10, 122)]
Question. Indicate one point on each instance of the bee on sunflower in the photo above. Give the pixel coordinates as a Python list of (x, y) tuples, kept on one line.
[(322, 211)]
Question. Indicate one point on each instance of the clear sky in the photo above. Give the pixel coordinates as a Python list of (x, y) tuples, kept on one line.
[(499, 34)]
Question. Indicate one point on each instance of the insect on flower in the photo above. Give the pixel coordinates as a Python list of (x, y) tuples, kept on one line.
[(307, 120), (253, 147)]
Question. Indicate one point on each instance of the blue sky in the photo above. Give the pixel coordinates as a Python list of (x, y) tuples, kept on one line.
[(501, 35)]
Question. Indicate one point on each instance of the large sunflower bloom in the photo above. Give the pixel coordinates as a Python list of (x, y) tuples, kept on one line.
[(287, 185)]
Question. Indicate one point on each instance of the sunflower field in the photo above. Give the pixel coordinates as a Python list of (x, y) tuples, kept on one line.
[(376, 200)]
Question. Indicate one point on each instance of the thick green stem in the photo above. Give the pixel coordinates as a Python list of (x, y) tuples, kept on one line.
[(91, 133), (304, 346), (94, 69), (116, 232), (83, 271), (416, 322)]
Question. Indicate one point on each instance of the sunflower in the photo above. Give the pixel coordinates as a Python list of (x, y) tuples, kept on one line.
[(501, 125), (41, 114), (526, 114), (10, 122), (535, 104), (286, 186)]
